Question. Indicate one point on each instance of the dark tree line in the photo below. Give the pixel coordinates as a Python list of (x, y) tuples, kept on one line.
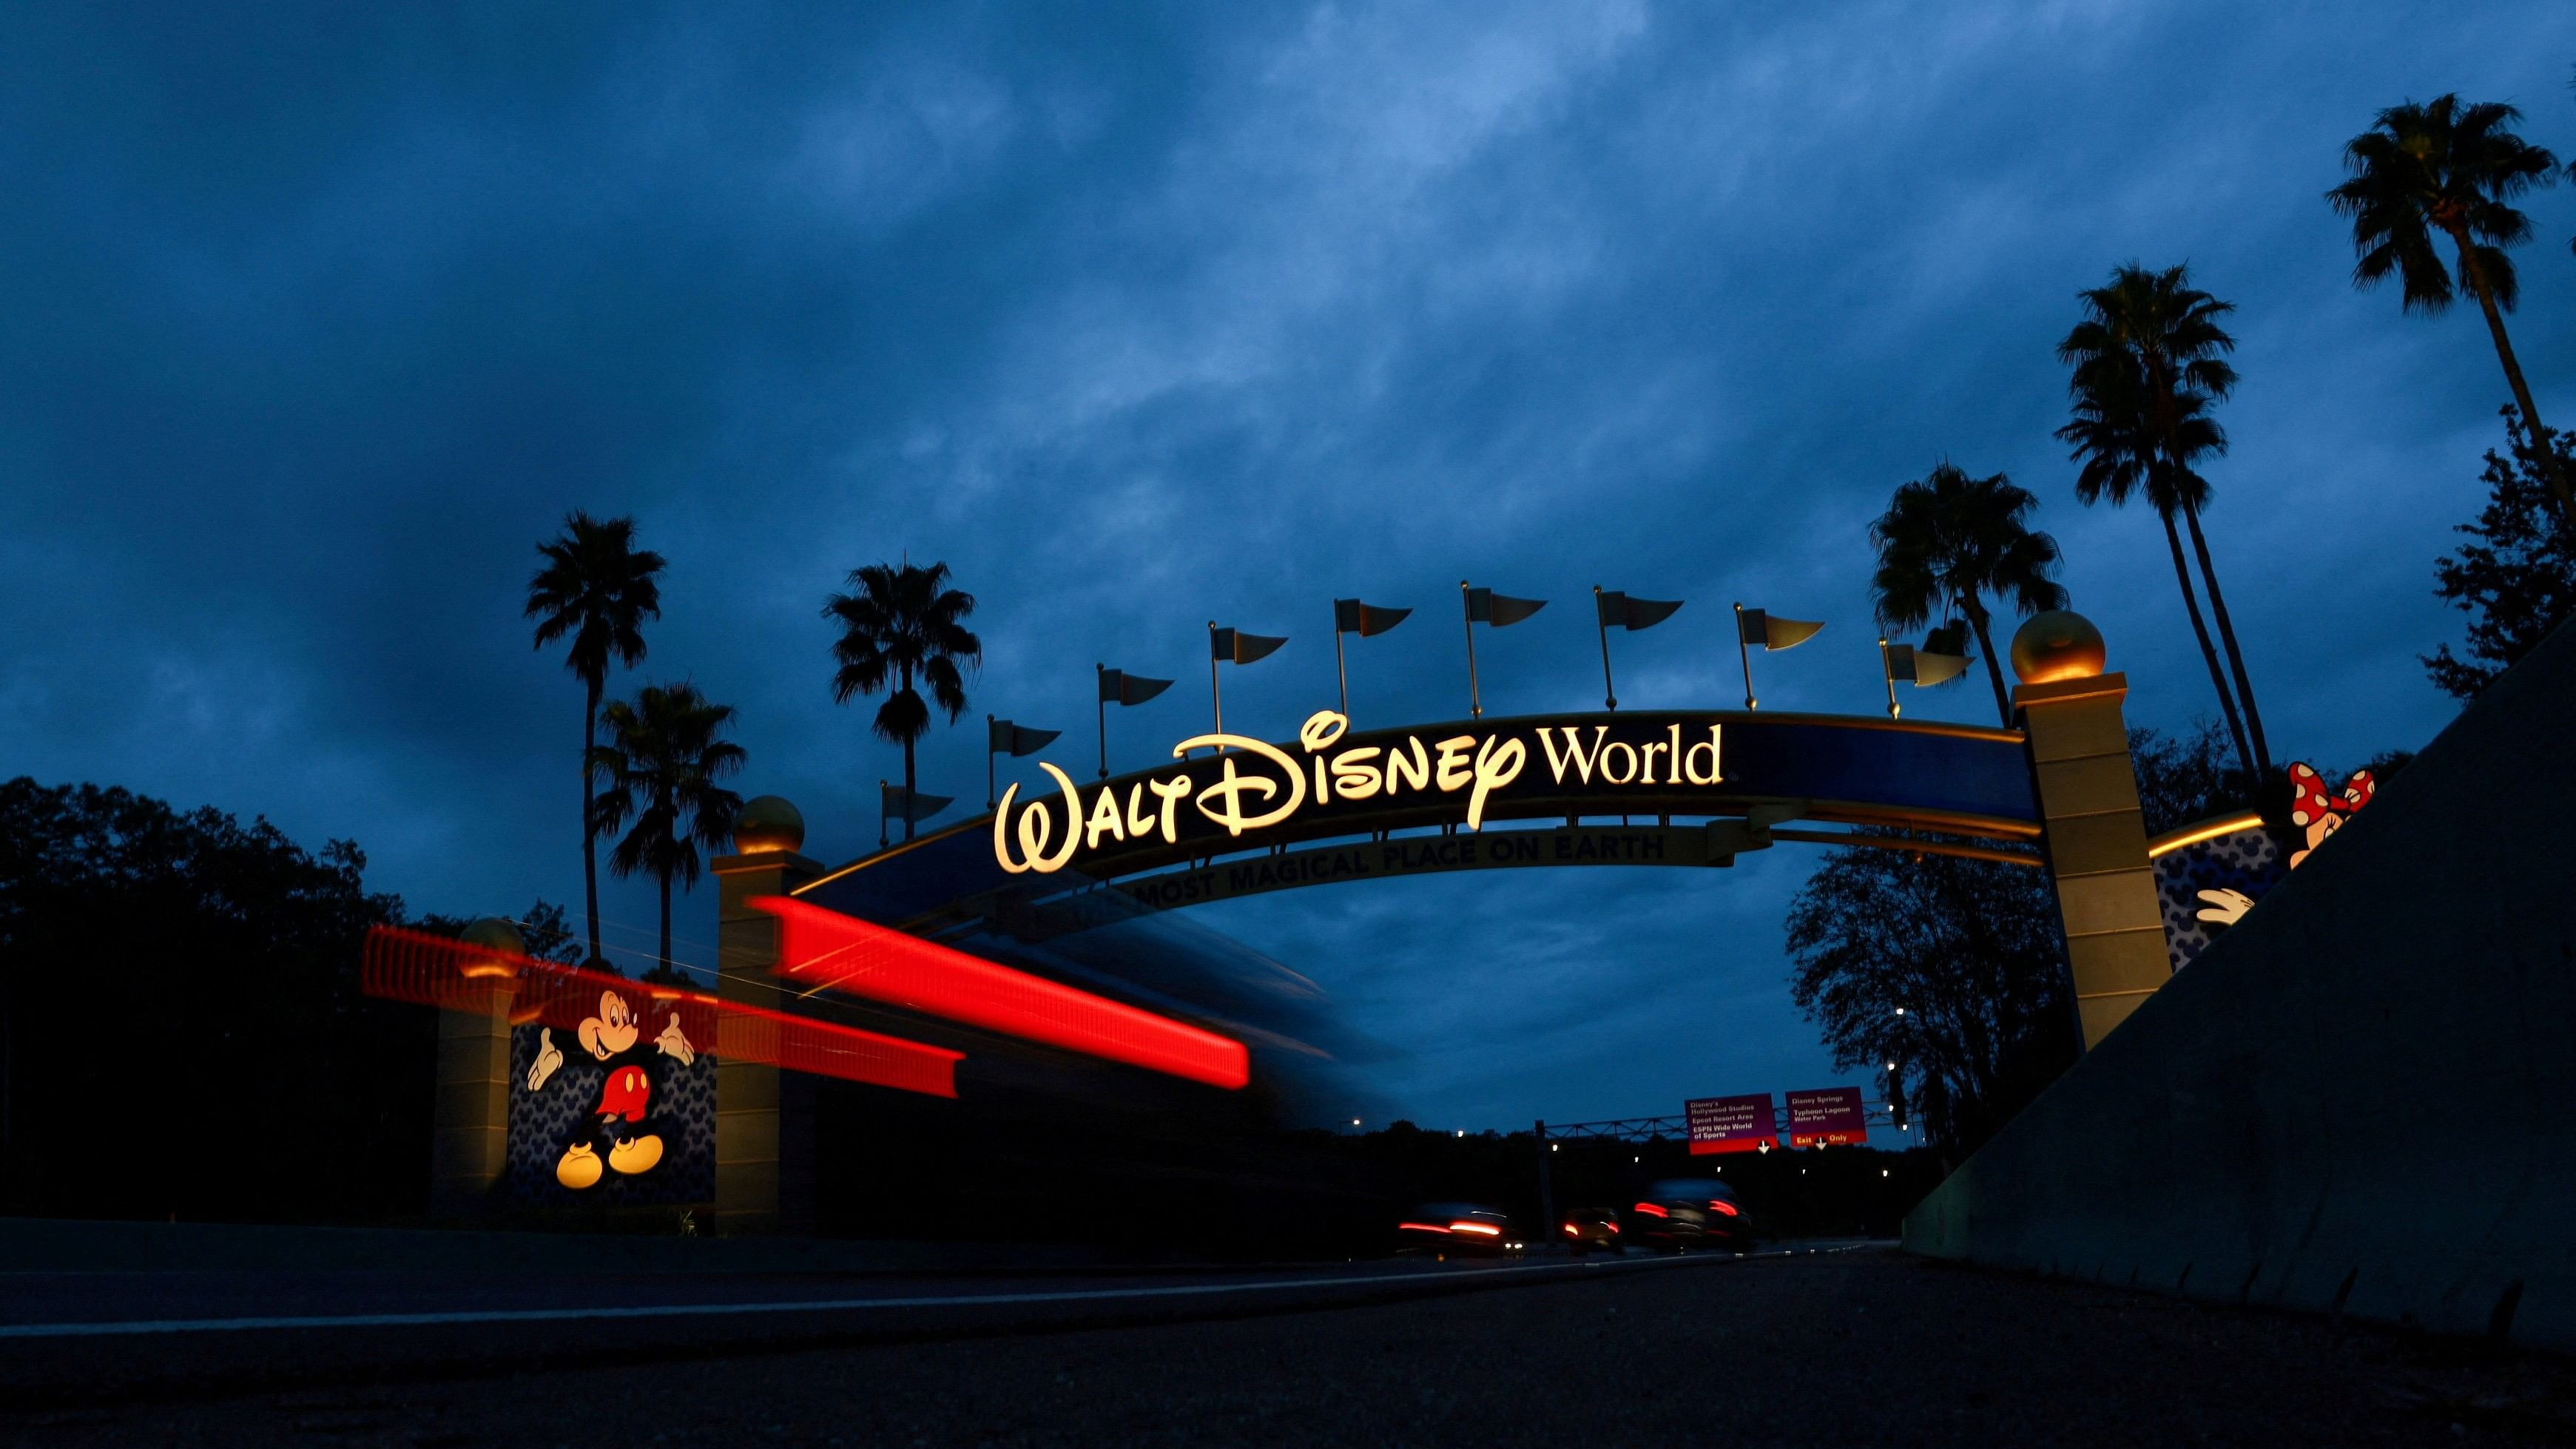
[(1946, 976), (181, 1030), (2516, 579)]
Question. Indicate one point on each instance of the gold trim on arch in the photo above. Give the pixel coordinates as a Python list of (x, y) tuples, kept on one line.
[(2194, 834)]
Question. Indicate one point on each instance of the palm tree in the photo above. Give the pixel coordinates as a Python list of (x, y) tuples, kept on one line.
[(599, 588), (662, 761), (2147, 367), (2449, 167), (899, 624), (1948, 541)]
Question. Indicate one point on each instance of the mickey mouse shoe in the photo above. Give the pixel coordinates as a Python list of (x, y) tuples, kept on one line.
[(580, 1167), (642, 1154)]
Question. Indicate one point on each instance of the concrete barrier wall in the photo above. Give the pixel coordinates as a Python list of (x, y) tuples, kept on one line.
[(2363, 1097)]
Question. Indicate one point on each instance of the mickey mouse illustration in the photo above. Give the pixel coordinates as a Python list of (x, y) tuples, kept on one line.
[(614, 1039)]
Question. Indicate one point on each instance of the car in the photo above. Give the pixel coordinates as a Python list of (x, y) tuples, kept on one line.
[(1680, 1213), (1585, 1229), (1468, 1228)]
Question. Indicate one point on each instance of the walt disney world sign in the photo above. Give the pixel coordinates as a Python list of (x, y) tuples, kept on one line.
[(1237, 792)]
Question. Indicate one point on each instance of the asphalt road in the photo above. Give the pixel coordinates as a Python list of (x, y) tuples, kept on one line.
[(1856, 1348)]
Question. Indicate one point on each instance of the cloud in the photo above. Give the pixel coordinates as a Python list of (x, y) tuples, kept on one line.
[(322, 319)]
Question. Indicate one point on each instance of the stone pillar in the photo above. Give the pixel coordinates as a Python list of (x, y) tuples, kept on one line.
[(469, 1133), (764, 1117), (2094, 838)]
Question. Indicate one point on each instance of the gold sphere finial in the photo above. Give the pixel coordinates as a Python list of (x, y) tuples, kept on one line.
[(2057, 644), (493, 934), (768, 823)]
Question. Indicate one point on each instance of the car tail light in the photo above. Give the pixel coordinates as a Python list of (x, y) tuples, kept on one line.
[(1481, 1229), (1571, 1232), (1652, 1211), (1420, 1228), (1722, 1205)]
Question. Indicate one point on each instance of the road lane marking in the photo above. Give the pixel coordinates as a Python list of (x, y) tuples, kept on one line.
[(137, 1327)]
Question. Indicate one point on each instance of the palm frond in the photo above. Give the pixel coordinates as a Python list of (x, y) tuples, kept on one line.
[(899, 624), (660, 764)]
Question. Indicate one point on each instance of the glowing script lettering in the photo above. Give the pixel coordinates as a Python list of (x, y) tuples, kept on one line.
[(1036, 825), (1230, 787), (1259, 785)]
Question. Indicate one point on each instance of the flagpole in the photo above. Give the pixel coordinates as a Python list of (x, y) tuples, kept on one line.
[(1475, 701), (1341, 671), (1887, 672), (1100, 696), (988, 762), (1609, 691), (1216, 691), (1744, 653)]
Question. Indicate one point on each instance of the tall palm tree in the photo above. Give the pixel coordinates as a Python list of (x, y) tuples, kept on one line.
[(2447, 166), (599, 588), (2123, 454), (662, 761), (1949, 540), (2147, 368), (900, 624)]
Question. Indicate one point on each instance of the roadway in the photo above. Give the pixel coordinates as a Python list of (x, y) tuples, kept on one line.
[(1858, 1346)]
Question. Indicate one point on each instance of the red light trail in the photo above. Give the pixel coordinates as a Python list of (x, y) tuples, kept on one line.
[(439, 971), (825, 948)]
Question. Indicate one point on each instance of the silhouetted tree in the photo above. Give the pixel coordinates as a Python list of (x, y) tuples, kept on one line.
[(1949, 540), (181, 1031), (899, 624), (2147, 367), (1970, 949), (1942, 975), (599, 588), (662, 762), (2517, 581), (546, 935), (2450, 167), (2186, 778)]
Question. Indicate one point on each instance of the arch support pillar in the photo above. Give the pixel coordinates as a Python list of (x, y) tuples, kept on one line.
[(2095, 840), (764, 1116), (470, 1113)]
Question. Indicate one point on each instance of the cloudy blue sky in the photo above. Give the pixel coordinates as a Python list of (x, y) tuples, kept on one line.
[(318, 317)]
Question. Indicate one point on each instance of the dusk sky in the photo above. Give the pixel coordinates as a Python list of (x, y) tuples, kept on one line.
[(321, 317)]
